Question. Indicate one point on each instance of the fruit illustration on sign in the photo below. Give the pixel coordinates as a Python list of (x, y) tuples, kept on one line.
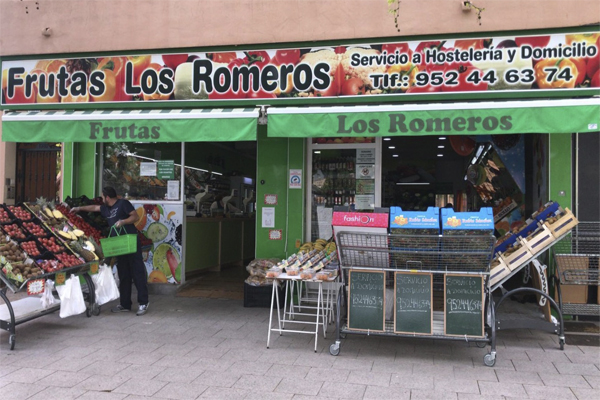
[(141, 223), (157, 212), (157, 276), (174, 60), (157, 232), (165, 256)]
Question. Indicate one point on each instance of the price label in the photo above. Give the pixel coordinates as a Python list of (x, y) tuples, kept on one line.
[(60, 278), (94, 268), (36, 286)]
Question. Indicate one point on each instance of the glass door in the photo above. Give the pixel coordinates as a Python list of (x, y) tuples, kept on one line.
[(344, 176)]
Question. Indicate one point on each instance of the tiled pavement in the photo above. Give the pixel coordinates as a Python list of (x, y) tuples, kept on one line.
[(187, 348)]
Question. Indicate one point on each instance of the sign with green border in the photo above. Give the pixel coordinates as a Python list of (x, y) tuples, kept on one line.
[(165, 169)]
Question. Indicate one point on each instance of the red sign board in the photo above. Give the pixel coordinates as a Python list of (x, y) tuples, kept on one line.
[(372, 220), (524, 63)]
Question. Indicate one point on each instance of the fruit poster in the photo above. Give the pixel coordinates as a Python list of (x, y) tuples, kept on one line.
[(161, 225), (483, 64)]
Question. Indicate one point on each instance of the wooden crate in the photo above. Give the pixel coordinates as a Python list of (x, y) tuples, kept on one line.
[(563, 225), (519, 257), (498, 271), (538, 240)]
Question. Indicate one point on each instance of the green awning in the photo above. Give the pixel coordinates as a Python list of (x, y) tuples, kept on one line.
[(190, 125), (500, 117)]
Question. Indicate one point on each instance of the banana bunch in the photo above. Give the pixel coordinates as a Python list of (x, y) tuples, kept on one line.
[(319, 245), (306, 247), (330, 248)]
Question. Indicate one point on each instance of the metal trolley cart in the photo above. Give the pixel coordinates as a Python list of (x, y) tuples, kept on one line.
[(576, 257), (17, 312), (436, 260)]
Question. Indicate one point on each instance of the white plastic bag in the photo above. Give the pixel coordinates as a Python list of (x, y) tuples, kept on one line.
[(47, 298), (71, 297), (106, 287)]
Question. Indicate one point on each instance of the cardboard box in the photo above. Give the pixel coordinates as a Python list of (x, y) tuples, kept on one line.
[(574, 294)]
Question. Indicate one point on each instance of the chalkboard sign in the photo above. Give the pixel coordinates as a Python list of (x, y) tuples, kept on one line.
[(366, 300), (463, 305), (413, 303)]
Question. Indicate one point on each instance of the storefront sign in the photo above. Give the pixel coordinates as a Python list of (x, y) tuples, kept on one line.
[(370, 220), (165, 169), (365, 156), (549, 62), (550, 116)]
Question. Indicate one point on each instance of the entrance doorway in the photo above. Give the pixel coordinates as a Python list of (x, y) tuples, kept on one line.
[(38, 166)]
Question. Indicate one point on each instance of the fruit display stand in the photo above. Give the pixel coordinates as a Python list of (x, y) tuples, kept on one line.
[(576, 257), (33, 250), (17, 312), (463, 258), (553, 225)]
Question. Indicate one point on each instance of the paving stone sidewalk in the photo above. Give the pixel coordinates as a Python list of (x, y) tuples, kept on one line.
[(187, 348)]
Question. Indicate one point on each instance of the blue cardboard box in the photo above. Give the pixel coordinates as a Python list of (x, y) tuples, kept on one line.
[(472, 220), (428, 222)]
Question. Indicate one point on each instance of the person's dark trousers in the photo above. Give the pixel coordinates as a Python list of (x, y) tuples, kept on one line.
[(131, 269)]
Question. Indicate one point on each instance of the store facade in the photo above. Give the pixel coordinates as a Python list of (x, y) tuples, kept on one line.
[(295, 104)]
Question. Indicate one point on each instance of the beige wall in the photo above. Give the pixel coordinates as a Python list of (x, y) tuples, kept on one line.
[(8, 163), (107, 25)]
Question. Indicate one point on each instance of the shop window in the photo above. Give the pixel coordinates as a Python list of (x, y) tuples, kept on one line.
[(143, 171), (220, 170)]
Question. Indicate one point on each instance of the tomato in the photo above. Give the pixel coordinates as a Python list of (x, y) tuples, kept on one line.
[(580, 69), (335, 88), (340, 50), (19, 95), (463, 84), (289, 56), (595, 82), (353, 87), (260, 58), (466, 44), (173, 60), (392, 47), (430, 45), (224, 58), (533, 41), (565, 76)]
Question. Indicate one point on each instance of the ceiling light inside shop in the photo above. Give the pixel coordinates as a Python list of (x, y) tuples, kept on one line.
[(391, 147), (317, 152), (440, 155), (441, 147), (442, 137), (411, 183), (387, 138), (394, 155), (129, 154)]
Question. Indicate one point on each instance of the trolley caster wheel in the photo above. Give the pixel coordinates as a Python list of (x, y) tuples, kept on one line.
[(481, 345), (334, 349), (96, 310), (12, 339), (489, 360)]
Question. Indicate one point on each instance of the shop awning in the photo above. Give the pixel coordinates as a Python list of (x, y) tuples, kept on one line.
[(190, 125), (493, 117)]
